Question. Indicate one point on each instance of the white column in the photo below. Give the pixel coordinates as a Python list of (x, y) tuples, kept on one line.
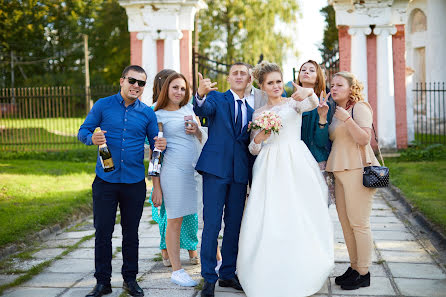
[(385, 87), (148, 63), (359, 53), (172, 49)]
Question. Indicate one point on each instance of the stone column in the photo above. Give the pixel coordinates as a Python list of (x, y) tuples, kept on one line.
[(385, 87), (399, 73), (172, 49), (359, 53), (135, 49), (344, 48), (149, 61), (371, 80), (156, 29)]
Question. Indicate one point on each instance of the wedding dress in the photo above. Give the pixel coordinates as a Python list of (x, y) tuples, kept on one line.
[(286, 238)]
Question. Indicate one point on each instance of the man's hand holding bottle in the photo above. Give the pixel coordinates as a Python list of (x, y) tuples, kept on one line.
[(98, 137)]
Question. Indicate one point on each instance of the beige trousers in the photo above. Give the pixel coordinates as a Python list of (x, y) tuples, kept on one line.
[(354, 205)]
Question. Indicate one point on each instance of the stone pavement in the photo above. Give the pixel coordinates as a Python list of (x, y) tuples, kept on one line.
[(402, 264)]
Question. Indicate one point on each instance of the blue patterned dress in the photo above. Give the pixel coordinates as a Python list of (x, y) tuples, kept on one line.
[(189, 227)]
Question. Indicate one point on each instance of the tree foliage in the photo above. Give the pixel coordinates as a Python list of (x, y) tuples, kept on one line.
[(46, 40), (231, 30), (330, 32)]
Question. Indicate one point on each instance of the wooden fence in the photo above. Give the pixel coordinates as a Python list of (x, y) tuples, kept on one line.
[(44, 118)]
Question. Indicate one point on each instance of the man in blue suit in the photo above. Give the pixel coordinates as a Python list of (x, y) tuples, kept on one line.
[(224, 164)]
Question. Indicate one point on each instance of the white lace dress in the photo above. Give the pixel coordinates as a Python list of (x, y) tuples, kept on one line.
[(286, 238)]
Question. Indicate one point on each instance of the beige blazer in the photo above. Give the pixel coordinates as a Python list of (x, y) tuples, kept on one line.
[(345, 153)]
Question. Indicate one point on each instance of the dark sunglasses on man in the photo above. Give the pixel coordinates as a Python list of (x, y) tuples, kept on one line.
[(132, 81)]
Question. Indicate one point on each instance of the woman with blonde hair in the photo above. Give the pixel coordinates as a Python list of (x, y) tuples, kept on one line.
[(350, 132)]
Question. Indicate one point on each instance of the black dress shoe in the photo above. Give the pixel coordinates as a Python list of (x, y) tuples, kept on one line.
[(208, 289), (356, 281), (232, 283), (133, 289), (339, 280), (100, 290)]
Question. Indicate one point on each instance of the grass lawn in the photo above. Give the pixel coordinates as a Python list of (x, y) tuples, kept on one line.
[(40, 134), (63, 126), (39, 193), (424, 185), (430, 138), (41, 189)]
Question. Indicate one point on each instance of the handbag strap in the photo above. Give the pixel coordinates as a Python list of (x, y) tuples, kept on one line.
[(376, 139)]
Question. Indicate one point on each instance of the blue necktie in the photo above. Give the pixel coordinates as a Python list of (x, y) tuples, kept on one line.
[(238, 121)]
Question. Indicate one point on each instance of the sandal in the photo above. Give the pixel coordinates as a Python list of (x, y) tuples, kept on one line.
[(194, 260)]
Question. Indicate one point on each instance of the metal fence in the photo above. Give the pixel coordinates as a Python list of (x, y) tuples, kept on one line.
[(45, 118), (215, 70), (430, 112)]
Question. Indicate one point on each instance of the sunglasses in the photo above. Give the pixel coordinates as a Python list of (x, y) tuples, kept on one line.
[(132, 81)]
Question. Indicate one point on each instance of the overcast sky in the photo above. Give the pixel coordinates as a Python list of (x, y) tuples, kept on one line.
[(308, 36)]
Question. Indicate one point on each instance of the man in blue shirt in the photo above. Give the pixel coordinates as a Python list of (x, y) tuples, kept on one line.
[(125, 122)]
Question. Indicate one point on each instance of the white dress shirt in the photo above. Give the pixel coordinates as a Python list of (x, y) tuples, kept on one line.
[(244, 109)]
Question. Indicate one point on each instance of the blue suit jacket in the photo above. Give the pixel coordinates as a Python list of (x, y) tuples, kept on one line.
[(224, 155)]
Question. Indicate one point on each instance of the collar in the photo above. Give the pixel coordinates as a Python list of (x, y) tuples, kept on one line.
[(236, 97), (122, 102)]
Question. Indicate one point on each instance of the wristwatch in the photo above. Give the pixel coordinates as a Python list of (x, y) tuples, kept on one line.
[(322, 125)]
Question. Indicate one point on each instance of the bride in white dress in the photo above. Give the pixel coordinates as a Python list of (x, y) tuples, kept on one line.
[(286, 238)]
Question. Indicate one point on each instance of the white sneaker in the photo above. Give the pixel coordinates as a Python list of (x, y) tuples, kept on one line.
[(217, 268), (180, 277)]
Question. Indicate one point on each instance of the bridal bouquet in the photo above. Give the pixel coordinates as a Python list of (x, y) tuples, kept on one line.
[(267, 120)]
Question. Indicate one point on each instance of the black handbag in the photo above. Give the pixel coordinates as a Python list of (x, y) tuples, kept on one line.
[(375, 176)]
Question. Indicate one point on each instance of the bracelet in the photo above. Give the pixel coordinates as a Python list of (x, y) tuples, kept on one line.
[(322, 125), (347, 119)]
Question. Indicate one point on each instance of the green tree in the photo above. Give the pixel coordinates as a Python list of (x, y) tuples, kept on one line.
[(22, 36), (330, 40), (231, 30), (46, 39), (109, 44)]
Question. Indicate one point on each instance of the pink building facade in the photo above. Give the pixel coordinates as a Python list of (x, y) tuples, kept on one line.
[(372, 46), (161, 36)]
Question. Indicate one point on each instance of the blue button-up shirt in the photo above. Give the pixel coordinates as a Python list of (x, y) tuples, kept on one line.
[(127, 128)]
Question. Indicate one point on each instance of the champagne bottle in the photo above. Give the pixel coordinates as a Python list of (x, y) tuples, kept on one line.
[(106, 158), (157, 156)]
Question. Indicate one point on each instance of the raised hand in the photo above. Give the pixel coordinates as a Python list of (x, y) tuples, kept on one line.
[(205, 85), (301, 93), (322, 108)]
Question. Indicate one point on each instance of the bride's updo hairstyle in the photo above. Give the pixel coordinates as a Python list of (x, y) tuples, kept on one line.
[(263, 68)]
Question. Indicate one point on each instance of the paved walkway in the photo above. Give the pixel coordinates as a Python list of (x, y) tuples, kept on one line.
[(402, 265)]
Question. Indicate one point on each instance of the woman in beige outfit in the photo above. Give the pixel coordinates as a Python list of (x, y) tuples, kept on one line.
[(350, 132)]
